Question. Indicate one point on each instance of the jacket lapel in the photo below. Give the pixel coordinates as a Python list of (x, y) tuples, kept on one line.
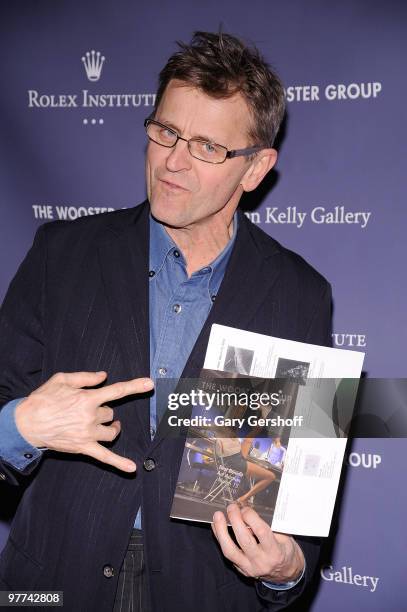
[(123, 256)]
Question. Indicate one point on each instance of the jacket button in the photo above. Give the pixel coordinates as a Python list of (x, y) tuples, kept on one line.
[(108, 571), (149, 464), (2, 476), (28, 455)]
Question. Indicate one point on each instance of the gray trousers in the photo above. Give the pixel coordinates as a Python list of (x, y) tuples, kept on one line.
[(132, 593)]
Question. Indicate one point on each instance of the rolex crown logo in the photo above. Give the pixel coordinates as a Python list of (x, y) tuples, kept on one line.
[(93, 62)]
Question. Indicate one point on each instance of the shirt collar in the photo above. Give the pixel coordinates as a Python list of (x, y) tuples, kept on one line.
[(218, 266), (161, 244)]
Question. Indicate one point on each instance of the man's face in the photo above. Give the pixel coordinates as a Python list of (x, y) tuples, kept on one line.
[(184, 191)]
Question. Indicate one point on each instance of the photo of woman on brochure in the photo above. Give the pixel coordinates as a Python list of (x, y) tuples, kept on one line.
[(235, 455)]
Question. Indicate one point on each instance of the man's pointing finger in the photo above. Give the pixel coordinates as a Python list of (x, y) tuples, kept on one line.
[(79, 380), (122, 389), (103, 454)]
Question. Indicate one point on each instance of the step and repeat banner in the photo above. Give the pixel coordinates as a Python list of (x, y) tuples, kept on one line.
[(78, 80)]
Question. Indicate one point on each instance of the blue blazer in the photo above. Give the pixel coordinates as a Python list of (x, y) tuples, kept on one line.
[(79, 301)]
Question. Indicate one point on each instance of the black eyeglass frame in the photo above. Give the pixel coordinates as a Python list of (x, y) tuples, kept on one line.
[(228, 155)]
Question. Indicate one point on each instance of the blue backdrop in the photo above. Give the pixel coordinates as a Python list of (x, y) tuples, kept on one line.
[(72, 143)]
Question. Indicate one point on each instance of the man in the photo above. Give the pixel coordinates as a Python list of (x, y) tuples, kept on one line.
[(98, 304)]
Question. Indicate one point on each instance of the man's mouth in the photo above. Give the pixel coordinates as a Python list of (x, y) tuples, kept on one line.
[(171, 185)]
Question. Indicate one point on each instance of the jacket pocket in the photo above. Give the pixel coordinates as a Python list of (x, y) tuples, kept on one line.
[(18, 569)]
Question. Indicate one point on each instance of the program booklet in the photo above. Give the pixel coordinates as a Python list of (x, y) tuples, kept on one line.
[(267, 427)]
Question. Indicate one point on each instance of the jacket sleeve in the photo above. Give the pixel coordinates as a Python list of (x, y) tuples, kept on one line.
[(22, 339)]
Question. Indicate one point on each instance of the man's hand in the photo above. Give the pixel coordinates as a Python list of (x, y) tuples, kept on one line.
[(63, 416), (273, 557)]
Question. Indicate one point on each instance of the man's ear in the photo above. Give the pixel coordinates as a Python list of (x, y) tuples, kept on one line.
[(261, 164)]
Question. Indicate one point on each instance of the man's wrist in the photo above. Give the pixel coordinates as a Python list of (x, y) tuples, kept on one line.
[(297, 571), (15, 449), (285, 586)]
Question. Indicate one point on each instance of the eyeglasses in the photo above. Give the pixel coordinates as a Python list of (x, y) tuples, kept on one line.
[(204, 150)]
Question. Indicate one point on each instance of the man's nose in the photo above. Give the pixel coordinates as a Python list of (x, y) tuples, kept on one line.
[(179, 157)]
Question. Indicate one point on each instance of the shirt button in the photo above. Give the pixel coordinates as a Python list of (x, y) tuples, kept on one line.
[(151, 273), (176, 253), (177, 308), (28, 455), (162, 371), (213, 298), (108, 571), (149, 465)]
